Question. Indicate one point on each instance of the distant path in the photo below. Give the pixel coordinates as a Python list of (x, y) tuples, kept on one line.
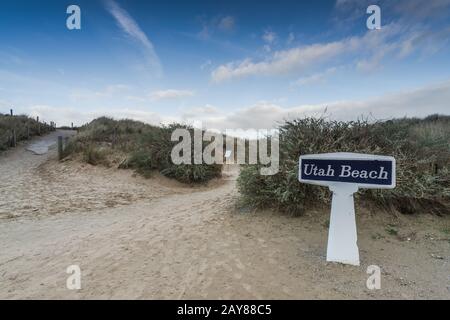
[(41, 145), (18, 171)]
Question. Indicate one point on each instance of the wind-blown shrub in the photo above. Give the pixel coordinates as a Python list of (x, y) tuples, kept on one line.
[(421, 149), (146, 148)]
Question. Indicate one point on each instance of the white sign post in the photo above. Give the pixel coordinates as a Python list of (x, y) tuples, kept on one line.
[(344, 173)]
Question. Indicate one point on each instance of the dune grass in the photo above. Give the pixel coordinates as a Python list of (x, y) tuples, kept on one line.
[(421, 148), (23, 125), (139, 146)]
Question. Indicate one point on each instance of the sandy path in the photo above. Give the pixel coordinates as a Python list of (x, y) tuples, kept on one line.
[(175, 242), (37, 185), (18, 172)]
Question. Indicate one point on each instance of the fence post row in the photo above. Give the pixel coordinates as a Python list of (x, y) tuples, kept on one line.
[(12, 139)]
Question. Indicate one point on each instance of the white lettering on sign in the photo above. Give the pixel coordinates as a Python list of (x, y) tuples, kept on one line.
[(311, 169), (364, 174), (346, 171)]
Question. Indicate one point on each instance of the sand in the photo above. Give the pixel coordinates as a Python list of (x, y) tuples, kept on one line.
[(137, 238)]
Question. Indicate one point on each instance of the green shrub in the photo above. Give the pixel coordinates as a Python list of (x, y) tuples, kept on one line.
[(147, 148), (421, 149), (188, 173)]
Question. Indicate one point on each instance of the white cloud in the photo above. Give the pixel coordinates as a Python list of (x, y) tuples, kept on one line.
[(281, 62), (136, 99), (366, 51), (418, 102), (196, 116), (314, 78), (200, 112), (170, 94), (130, 27), (64, 115), (119, 90)]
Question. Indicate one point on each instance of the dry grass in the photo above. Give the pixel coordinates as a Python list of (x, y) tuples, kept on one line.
[(139, 146), (20, 124), (421, 148)]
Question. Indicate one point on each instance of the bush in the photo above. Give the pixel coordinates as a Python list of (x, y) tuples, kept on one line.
[(146, 148), (421, 149), (188, 173)]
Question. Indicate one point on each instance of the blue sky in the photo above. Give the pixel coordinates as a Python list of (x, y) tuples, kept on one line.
[(228, 64)]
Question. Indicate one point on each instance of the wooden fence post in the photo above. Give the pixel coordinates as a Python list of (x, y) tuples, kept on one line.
[(60, 147), (39, 125), (11, 111), (14, 138)]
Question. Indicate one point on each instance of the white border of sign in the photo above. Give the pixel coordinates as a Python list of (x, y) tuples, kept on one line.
[(348, 156)]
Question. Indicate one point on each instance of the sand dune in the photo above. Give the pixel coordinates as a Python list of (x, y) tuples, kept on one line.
[(155, 238)]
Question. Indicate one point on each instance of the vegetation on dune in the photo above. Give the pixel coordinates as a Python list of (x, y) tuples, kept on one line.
[(23, 126), (139, 146), (421, 148)]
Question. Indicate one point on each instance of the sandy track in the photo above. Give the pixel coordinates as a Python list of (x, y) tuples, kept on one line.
[(38, 185), (168, 241)]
